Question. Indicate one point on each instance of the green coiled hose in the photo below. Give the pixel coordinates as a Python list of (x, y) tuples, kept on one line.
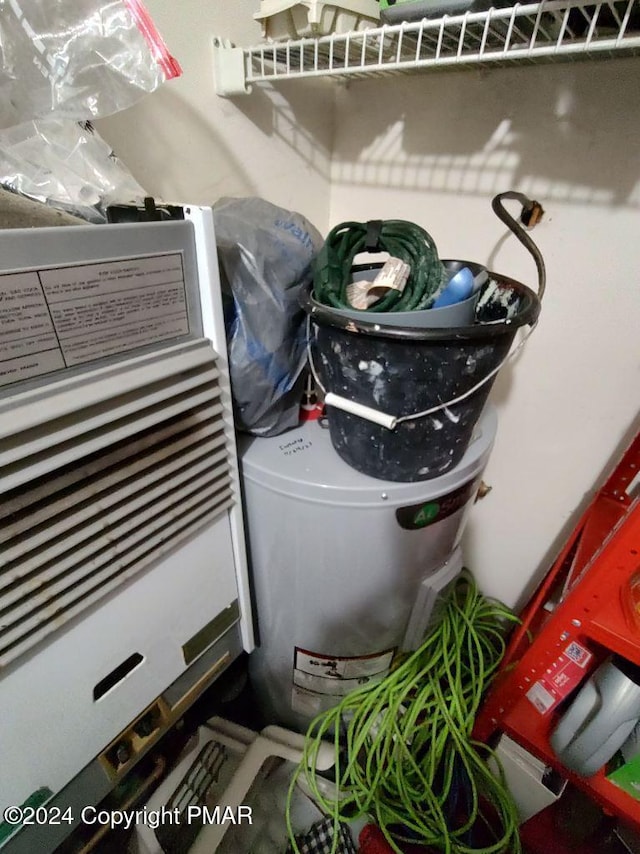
[(401, 239), (404, 748)]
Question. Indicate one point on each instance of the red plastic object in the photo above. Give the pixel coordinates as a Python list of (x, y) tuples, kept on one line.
[(169, 65), (372, 841), (631, 602), (311, 412), (581, 599), (543, 833)]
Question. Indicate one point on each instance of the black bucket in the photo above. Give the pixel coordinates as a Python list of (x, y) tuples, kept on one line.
[(404, 372)]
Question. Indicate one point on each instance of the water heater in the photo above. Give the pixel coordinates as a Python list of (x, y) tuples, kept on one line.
[(343, 564)]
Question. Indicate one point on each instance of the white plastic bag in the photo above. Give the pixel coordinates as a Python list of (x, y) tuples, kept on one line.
[(77, 59), (66, 165)]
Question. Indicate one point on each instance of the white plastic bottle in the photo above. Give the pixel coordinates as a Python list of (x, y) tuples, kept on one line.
[(600, 718)]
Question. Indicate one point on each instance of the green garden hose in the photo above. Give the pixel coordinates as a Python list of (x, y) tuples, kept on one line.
[(403, 747), (404, 240)]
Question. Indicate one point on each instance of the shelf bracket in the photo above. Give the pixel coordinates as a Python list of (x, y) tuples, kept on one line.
[(229, 69)]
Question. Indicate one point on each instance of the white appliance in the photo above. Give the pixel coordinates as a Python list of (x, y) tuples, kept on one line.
[(346, 568), (123, 582)]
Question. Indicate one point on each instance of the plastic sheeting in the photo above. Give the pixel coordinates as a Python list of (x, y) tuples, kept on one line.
[(77, 59)]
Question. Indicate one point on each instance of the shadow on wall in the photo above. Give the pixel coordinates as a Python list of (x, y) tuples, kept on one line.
[(162, 160), (177, 152), (301, 116), (560, 132)]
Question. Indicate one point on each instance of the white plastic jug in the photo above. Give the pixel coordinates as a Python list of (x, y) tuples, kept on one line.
[(600, 718)]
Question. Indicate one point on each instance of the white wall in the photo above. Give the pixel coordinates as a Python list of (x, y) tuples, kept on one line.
[(435, 149), (184, 143)]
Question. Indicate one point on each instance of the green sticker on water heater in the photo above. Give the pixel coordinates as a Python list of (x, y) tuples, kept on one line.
[(426, 514), (418, 516)]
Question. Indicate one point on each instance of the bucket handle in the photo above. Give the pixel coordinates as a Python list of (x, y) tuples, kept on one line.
[(530, 215), (392, 421)]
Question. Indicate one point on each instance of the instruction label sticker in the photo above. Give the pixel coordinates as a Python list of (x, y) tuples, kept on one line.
[(560, 679), (59, 317), (320, 680)]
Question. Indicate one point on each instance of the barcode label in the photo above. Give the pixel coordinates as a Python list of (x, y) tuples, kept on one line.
[(577, 653)]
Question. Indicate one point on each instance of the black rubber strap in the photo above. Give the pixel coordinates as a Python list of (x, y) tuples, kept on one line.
[(372, 237)]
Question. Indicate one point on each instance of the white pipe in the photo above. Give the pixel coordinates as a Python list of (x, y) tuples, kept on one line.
[(388, 421)]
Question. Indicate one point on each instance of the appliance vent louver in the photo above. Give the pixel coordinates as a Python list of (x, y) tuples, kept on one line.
[(102, 473)]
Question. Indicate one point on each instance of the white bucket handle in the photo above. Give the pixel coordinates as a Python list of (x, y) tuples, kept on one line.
[(392, 421)]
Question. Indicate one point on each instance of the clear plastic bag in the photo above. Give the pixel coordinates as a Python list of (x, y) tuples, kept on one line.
[(265, 256), (66, 165), (77, 59)]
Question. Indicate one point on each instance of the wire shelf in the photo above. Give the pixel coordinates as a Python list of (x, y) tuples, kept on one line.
[(523, 33)]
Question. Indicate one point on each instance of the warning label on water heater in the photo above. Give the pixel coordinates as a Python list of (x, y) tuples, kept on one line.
[(318, 677), (55, 318)]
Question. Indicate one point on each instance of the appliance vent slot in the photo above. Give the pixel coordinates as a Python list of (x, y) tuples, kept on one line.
[(84, 523)]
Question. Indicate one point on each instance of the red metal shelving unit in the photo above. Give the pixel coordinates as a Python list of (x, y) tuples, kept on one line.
[(579, 600)]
